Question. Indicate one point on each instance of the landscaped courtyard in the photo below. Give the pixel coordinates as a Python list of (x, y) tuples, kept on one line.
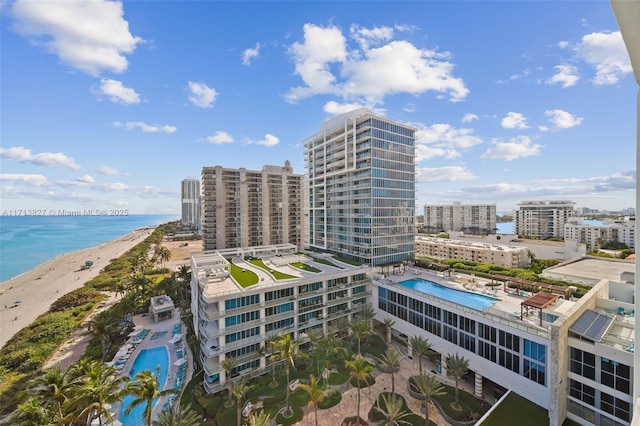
[(329, 383)]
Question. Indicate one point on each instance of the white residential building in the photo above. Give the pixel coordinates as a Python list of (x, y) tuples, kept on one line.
[(543, 219), (497, 254), (232, 321), (244, 208), (574, 357), (361, 169), (595, 236), (191, 206), (468, 218)]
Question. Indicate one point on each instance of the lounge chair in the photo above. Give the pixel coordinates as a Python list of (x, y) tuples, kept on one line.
[(608, 311), (621, 311), (631, 347), (631, 314)]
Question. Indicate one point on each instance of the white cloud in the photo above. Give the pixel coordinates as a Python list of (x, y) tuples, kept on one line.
[(563, 119), (514, 120), (269, 140), (469, 117), (518, 147), (443, 140), (563, 44), (86, 179), (147, 128), (202, 95), (444, 174), (117, 93), (91, 36), (249, 54), (327, 65), (109, 171), (606, 52), (410, 107), (27, 179), (47, 159), (366, 37), (335, 108), (220, 137), (566, 75)]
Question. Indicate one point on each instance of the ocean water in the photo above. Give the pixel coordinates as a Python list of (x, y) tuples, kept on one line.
[(28, 241), (510, 227)]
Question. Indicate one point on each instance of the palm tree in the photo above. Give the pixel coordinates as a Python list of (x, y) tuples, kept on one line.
[(260, 419), (342, 326), (184, 274), (228, 364), (239, 390), (287, 349), (429, 387), (103, 327), (32, 413), (390, 360), (273, 359), (146, 389), (359, 370), (316, 394), (163, 254), (393, 412), (93, 392), (388, 323), (178, 417), (53, 387), (361, 329), (367, 313), (458, 367), (421, 347)]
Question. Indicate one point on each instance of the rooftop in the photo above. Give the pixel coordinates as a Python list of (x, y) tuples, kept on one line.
[(267, 265), (591, 269)]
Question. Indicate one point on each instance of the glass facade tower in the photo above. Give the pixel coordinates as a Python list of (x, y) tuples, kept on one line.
[(361, 169)]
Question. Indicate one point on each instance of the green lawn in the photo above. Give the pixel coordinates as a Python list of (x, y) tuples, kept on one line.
[(245, 278), (277, 275), (516, 407), (305, 267)]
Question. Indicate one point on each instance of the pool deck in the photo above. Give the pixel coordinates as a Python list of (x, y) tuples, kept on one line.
[(507, 305), (145, 321)]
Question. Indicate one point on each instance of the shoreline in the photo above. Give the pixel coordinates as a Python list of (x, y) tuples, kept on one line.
[(25, 297)]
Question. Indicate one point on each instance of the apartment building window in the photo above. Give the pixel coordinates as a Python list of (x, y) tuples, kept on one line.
[(242, 351), (509, 341), (487, 332), (229, 338), (487, 351), (615, 406), (241, 318), (509, 360), (468, 342), (582, 392), (279, 309), (615, 375), (241, 301), (278, 294), (467, 325), (583, 363), (534, 362), (279, 324), (450, 318)]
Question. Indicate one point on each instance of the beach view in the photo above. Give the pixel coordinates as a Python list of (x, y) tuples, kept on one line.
[(318, 213)]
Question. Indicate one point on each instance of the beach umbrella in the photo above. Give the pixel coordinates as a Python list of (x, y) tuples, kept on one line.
[(179, 362)]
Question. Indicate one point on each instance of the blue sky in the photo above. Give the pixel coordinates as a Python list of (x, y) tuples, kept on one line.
[(109, 105)]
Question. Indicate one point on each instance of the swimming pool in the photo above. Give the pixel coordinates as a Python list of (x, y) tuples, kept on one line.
[(148, 359), (472, 300)]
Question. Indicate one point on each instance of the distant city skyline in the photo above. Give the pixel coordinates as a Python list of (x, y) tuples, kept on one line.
[(110, 105)]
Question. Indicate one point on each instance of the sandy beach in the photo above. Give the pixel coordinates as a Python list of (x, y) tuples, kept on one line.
[(27, 296)]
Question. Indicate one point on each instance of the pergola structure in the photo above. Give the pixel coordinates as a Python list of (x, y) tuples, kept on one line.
[(534, 285), (539, 301)]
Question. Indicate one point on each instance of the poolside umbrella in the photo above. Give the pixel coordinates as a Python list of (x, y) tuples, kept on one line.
[(179, 362)]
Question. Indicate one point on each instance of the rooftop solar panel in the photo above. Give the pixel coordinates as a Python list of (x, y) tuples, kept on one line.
[(592, 325)]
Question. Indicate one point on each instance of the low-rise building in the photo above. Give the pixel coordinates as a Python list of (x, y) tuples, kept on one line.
[(595, 236), (498, 254), (574, 357), (469, 218), (242, 297)]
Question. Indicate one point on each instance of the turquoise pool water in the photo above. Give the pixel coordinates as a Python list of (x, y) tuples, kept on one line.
[(148, 359), (472, 300)]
